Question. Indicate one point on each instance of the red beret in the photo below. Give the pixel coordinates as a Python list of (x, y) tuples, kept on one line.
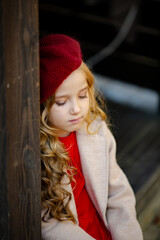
[(60, 55)]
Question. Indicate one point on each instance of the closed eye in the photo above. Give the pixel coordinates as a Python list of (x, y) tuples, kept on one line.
[(83, 96), (83, 93), (60, 103)]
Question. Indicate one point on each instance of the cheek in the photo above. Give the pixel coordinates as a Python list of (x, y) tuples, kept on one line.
[(86, 106), (51, 118), (56, 115), (52, 115)]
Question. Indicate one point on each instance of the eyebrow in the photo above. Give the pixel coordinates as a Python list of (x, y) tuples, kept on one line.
[(63, 96)]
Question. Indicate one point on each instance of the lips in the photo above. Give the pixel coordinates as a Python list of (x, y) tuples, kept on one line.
[(76, 120)]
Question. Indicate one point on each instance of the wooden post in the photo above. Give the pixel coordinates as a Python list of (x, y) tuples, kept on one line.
[(20, 185)]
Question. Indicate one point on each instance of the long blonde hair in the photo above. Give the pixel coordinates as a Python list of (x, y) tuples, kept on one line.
[(55, 162)]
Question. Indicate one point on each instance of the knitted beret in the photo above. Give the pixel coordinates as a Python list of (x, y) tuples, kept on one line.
[(60, 55)]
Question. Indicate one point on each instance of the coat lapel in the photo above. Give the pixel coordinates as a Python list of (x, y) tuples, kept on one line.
[(94, 162)]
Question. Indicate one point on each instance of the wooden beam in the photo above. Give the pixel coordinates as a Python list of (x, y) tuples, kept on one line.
[(3, 186), (19, 126)]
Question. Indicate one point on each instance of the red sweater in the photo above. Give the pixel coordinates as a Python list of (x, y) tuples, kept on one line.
[(89, 219)]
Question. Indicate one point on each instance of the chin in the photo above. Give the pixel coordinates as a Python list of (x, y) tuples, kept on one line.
[(75, 128)]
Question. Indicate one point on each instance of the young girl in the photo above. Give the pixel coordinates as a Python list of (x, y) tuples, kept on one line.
[(85, 195)]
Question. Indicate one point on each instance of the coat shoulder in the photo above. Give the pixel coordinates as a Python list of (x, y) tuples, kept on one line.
[(100, 127)]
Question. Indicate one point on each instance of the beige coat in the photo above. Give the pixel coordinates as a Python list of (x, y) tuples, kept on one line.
[(107, 186)]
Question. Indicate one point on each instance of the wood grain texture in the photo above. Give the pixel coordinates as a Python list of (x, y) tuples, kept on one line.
[(20, 40), (3, 171)]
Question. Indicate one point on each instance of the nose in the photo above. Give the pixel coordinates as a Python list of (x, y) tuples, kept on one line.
[(75, 107)]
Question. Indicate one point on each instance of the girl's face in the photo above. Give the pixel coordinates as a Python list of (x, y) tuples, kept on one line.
[(71, 104)]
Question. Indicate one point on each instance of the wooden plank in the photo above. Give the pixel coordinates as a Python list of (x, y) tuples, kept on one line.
[(3, 171), (20, 120), (148, 203)]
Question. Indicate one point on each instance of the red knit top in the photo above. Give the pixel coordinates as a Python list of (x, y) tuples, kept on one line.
[(89, 219)]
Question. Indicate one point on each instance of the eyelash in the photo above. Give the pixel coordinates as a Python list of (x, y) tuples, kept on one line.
[(81, 97), (60, 104), (85, 96)]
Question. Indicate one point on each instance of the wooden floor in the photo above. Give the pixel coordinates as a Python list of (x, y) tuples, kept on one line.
[(138, 153)]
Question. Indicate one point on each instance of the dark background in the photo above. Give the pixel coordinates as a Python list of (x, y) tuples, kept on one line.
[(95, 23)]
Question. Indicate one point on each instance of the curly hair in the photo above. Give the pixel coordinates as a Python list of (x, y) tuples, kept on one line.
[(55, 162)]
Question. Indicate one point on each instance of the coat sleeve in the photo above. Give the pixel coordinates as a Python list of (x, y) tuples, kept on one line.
[(121, 213), (60, 230)]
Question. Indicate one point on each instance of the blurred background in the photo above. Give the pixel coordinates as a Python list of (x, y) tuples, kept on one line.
[(120, 43)]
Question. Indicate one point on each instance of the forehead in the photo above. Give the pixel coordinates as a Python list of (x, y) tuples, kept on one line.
[(73, 83)]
